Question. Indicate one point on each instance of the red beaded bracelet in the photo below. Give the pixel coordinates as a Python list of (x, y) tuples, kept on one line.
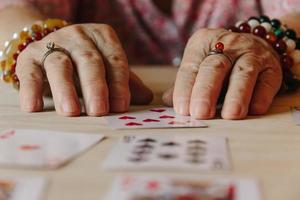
[(283, 40), (8, 57)]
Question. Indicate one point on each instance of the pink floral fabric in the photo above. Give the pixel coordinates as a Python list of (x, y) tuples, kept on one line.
[(148, 35)]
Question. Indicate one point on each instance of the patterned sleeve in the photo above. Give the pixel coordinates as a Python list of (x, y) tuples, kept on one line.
[(278, 8), (63, 9)]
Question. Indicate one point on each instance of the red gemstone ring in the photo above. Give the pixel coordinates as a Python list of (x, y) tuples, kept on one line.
[(219, 49)]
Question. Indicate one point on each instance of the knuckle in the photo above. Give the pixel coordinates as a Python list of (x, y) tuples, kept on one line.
[(200, 33), (58, 58), (117, 59), (90, 55), (29, 51), (188, 67), (75, 28), (213, 64), (106, 28), (246, 70), (73, 31), (107, 32), (30, 77)]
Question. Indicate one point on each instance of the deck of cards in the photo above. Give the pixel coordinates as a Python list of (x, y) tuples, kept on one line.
[(44, 149), (163, 188)]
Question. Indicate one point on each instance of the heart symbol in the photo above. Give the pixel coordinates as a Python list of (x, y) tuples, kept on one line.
[(158, 110), (151, 120), (166, 117), (133, 124), (30, 147), (176, 123), (7, 135), (126, 117)]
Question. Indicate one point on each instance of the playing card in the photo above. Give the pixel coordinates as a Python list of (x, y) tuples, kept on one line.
[(163, 117), (159, 188), (21, 188), (169, 152), (296, 115), (42, 148)]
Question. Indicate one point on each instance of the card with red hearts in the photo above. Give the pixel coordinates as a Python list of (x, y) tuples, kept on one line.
[(42, 148), (169, 152), (22, 188), (160, 187), (162, 117)]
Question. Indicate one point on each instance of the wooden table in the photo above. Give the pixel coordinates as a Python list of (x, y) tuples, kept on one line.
[(266, 147)]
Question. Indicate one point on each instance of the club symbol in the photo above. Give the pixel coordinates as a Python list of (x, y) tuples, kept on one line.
[(137, 159), (150, 140), (167, 156), (195, 161), (196, 148), (145, 146), (196, 153), (197, 142), (128, 138), (170, 144), (141, 152)]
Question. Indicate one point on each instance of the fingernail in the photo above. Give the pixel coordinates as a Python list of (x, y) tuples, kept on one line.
[(182, 107), (119, 105), (97, 107), (200, 109), (69, 106), (233, 109)]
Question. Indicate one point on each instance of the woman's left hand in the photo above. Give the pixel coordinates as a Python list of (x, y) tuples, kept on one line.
[(251, 81)]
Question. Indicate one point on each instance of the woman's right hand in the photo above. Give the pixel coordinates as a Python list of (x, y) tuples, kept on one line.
[(97, 64)]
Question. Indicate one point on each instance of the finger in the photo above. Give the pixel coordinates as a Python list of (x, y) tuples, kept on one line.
[(208, 84), (140, 93), (91, 73), (266, 88), (168, 97), (59, 70), (194, 53), (241, 84), (31, 84), (108, 44)]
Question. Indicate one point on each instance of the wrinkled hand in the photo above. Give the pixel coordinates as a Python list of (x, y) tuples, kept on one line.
[(251, 82), (97, 65)]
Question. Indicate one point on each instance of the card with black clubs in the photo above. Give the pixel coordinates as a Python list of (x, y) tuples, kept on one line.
[(169, 152)]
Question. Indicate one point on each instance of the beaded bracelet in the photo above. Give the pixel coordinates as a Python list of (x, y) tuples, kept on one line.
[(283, 40), (8, 57)]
